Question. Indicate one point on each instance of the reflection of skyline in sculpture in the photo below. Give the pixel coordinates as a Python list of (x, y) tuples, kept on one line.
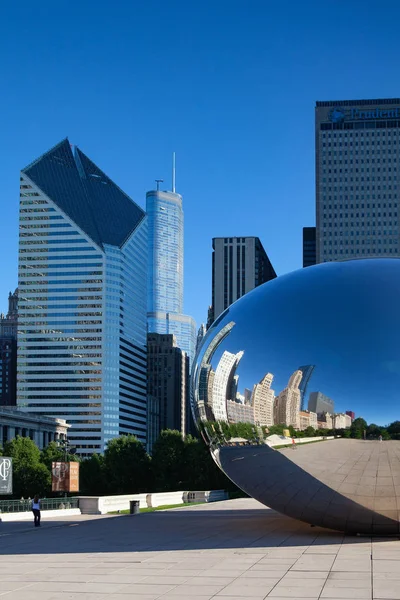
[(224, 375), (287, 404), (307, 371), (219, 397), (202, 393)]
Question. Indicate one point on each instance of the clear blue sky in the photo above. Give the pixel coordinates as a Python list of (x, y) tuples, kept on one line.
[(229, 85)]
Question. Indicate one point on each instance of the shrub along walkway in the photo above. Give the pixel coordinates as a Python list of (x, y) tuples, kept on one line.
[(226, 551)]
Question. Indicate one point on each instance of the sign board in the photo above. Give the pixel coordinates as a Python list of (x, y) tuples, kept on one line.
[(6, 471), (286, 432), (65, 476)]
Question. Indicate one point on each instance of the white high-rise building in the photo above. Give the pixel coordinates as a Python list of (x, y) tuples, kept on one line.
[(82, 300), (263, 401), (288, 402), (222, 385), (341, 421), (357, 179)]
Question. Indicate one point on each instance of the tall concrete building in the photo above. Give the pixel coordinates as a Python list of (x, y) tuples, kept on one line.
[(8, 371), (239, 264), (82, 300), (167, 385), (263, 398), (165, 272), (287, 404), (8, 352), (9, 322), (309, 246), (357, 189), (319, 403)]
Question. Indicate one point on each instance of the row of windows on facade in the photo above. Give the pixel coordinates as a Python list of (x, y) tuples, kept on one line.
[(339, 190), (366, 251), (339, 225), (355, 215), (364, 242), (357, 180), (366, 161), (361, 134)]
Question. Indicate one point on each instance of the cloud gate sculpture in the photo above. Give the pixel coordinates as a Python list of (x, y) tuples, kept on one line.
[(296, 391)]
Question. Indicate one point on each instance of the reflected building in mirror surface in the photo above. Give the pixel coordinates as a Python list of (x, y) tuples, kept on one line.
[(320, 403), (287, 403)]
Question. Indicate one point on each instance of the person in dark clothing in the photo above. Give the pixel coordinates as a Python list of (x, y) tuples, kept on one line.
[(36, 511)]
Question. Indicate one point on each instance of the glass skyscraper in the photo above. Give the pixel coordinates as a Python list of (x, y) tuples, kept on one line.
[(82, 300), (165, 274)]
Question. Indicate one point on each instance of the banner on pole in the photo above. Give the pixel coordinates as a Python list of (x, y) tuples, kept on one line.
[(6, 471), (65, 476)]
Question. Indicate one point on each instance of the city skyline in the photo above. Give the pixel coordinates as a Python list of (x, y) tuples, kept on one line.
[(228, 108)]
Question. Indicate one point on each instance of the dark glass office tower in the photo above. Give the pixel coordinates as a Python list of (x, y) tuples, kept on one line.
[(309, 247), (239, 264)]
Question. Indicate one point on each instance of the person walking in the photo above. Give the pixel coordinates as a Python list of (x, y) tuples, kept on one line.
[(36, 510)]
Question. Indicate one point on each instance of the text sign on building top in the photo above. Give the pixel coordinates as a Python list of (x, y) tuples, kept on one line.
[(338, 114)]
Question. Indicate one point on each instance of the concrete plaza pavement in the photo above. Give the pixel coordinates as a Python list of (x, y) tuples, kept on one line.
[(226, 551)]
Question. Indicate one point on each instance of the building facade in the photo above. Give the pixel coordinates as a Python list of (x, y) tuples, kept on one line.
[(167, 386), (357, 189), (307, 372), (325, 420), (341, 421), (308, 419), (239, 412), (287, 403), (239, 264), (8, 371), (8, 352), (351, 414), (263, 399), (82, 300), (222, 384), (165, 272), (309, 246), (320, 403), (42, 430), (9, 322)]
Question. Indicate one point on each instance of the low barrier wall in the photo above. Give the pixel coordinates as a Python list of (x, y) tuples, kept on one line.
[(304, 440), (101, 505), (28, 516)]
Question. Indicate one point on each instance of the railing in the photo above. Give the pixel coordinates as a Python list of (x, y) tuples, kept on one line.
[(12, 506)]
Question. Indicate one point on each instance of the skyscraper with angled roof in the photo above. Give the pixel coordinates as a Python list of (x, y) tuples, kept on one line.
[(82, 299)]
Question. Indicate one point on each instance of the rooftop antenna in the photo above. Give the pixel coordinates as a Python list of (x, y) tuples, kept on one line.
[(158, 181), (173, 172)]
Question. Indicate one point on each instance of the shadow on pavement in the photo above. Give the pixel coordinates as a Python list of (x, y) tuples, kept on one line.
[(174, 530)]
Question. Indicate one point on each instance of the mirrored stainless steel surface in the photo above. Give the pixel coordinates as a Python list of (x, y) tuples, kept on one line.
[(275, 376)]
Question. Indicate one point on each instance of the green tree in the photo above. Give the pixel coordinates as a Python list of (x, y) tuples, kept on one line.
[(310, 432), (30, 476), (358, 427), (92, 476), (394, 429), (126, 466), (167, 461)]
